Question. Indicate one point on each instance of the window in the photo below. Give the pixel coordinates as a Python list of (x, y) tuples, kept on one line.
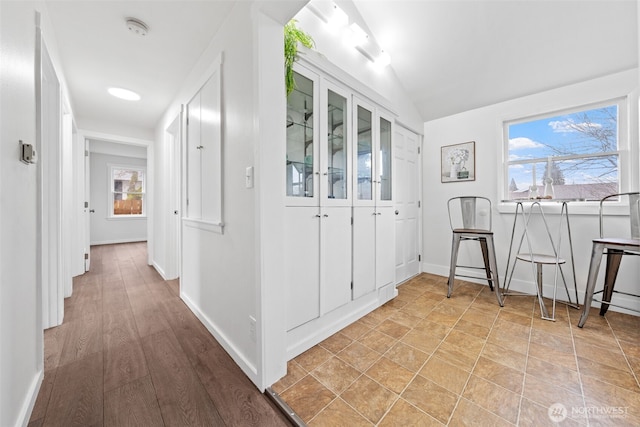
[(127, 191), (573, 154)]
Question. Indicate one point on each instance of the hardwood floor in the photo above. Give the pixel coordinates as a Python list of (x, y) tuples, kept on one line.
[(130, 353)]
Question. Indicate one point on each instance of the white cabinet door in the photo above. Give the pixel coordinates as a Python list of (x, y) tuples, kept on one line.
[(364, 251), (385, 246), (302, 266), (335, 259)]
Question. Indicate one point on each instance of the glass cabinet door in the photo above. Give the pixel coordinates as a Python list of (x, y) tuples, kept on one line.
[(336, 173), (364, 166), (386, 160), (300, 139)]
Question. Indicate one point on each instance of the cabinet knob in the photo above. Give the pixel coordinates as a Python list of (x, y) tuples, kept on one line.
[(397, 212), (318, 216), (326, 173), (325, 215)]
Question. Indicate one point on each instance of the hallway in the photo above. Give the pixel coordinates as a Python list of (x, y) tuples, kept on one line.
[(130, 352)]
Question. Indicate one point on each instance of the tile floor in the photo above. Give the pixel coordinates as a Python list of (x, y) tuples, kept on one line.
[(423, 360)]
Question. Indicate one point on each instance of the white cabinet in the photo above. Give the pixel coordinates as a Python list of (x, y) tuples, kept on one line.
[(318, 263), (339, 239), (302, 267)]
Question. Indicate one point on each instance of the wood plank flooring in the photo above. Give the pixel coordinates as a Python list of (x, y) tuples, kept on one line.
[(130, 353)]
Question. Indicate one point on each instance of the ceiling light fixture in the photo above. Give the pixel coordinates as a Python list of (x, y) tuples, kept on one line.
[(125, 94), (137, 27), (353, 35)]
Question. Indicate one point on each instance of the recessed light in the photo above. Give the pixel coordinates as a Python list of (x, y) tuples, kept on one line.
[(125, 94)]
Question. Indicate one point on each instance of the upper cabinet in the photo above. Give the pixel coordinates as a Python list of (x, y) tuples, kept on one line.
[(338, 145), (302, 136)]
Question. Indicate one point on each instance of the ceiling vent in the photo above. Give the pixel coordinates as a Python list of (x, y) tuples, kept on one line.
[(137, 27)]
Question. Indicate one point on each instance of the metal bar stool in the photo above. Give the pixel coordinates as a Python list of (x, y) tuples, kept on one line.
[(538, 260), (470, 219), (615, 248)]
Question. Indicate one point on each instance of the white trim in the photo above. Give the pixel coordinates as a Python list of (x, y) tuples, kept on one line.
[(215, 227), (247, 367), (116, 241), (30, 401), (115, 138)]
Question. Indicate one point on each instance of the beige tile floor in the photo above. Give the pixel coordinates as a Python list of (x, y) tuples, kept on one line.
[(423, 360)]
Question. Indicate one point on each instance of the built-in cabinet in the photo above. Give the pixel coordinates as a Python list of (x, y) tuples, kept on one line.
[(339, 238)]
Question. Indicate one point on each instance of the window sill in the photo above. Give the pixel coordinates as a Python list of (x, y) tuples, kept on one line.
[(574, 207), (125, 217)]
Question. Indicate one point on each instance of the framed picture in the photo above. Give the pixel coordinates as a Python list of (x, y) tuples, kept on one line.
[(458, 162)]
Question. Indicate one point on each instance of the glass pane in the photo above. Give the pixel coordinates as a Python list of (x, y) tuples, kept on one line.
[(128, 191), (337, 147), (385, 159), (365, 147), (299, 162), (569, 179), (565, 156)]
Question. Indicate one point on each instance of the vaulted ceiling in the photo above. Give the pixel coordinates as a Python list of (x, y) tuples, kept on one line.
[(451, 56)]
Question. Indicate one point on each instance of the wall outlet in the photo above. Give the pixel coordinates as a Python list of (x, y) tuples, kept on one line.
[(252, 328)]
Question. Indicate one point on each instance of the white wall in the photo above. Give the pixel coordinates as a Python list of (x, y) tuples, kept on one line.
[(105, 230), (21, 352), (218, 279), (484, 126)]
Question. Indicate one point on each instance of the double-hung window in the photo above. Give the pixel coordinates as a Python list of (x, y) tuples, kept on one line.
[(127, 191), (571, 154)]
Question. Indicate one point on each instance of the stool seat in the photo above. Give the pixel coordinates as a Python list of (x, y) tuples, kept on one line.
[(541, 258)]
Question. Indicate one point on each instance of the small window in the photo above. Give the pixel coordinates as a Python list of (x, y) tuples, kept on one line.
[(127, 191), (576, 151)]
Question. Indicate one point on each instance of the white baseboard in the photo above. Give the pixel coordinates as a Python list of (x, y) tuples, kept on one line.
[(528, 287), (30, 400), (247, 367)]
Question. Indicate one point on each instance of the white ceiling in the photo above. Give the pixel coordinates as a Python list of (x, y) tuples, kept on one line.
[(451, 56)]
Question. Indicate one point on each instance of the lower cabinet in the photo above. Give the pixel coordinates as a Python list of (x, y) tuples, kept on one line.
[(318, 261), (336, 256), (302, 265), (385, 246)]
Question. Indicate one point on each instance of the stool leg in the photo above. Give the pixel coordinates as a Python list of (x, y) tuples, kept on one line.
[(455, 244), (491, 252), (614, 257), (485, 256), (543, 307), (594, 266)]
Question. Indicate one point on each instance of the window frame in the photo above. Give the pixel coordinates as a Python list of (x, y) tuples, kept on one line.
[(625, 153), (111, 191)]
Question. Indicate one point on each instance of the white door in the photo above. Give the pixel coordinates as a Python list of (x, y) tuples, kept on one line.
[(302, 267), (174, 159), (384, 246), (88, 210), (364, 251), (335, 258), (406, 146), (49, 169)]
